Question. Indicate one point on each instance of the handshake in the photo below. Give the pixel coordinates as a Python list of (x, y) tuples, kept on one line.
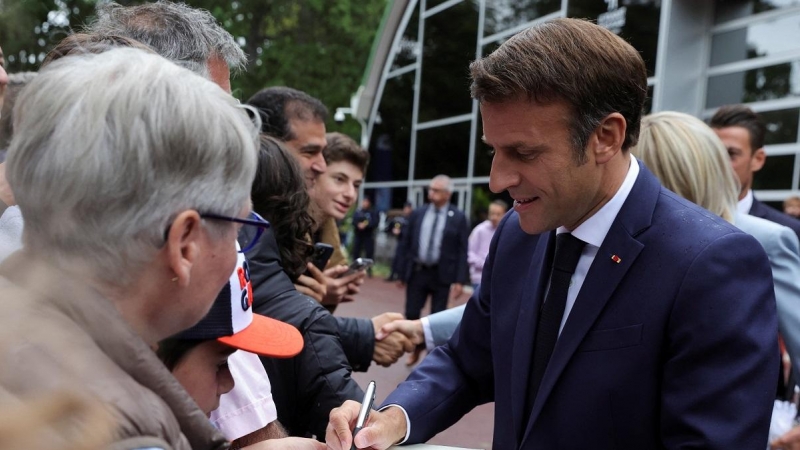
[(395, 336)]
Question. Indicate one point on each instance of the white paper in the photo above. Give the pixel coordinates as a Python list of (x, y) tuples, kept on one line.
[(430, 447)]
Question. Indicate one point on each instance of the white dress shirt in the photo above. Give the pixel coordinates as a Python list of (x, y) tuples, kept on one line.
[(249, 406), (593, 231), (746, 203)]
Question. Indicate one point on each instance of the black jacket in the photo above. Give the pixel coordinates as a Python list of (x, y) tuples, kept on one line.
[(305, 388)]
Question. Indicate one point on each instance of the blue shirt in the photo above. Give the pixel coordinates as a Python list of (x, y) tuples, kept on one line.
[(425, 234)]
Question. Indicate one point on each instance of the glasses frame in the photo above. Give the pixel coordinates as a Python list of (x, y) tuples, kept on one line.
[(255, 220)]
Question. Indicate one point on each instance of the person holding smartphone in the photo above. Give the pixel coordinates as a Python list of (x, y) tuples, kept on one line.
[(334, 193)]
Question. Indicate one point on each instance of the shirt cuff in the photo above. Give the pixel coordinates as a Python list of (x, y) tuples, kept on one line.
[(408, 421), (426, 330)]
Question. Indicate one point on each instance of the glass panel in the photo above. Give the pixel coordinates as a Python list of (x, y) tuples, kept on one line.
[(776, 173), (757, 40), (504, 14), (765, 83), (432, 3), (637, 21), (781, 126), (408, 52), (391, 138), (727, 10), (442, 150), (448, 49), (386, 199)]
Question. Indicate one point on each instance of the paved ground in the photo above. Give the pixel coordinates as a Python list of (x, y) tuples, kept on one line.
[(475, 429)]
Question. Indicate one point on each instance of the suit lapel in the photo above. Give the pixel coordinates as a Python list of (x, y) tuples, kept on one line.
[(530, 297), (416, 230), (605, 274), (757, 209)]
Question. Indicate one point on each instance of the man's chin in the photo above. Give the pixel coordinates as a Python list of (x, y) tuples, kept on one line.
[(533, 227)]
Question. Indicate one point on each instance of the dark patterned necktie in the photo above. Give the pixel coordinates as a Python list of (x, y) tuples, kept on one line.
[(568, 252)]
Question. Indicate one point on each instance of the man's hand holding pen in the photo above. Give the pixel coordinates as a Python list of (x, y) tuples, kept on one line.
[(384, 428)]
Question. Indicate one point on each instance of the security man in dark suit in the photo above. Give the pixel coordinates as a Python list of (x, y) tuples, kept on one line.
[(743, 133), (365, 220), (435, 249)]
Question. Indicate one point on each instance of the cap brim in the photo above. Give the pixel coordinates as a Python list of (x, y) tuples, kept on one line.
[(267, 337)]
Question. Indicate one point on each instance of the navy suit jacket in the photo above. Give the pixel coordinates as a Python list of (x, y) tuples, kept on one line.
[(759, 209), (672, 346), (453, 266)]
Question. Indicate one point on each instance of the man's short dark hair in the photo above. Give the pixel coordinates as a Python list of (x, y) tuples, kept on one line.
[(741, 116), (278, 105), (500, 203), (344, 148), (590, 68)]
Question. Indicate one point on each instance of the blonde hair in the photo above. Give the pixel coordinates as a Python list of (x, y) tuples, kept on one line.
[(690, 160)]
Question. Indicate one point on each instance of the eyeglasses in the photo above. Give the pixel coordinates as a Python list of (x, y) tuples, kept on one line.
[(252, 228)]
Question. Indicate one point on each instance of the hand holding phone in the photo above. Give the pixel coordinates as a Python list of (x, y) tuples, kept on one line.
[(359, 265), (322, 253)]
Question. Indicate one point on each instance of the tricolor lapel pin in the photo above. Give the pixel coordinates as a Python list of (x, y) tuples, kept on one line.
[(616, 259)]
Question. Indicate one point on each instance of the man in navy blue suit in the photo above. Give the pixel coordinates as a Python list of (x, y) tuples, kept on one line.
[(434, 247), (612, 314), (743, 133)]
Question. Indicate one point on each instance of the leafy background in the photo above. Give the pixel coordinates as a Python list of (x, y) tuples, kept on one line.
[(318, 46)]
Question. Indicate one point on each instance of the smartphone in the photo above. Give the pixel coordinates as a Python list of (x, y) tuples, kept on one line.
[(359, 265), (322, 253)]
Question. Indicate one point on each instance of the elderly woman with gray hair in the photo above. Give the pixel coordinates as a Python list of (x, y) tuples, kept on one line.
[(133, 177)]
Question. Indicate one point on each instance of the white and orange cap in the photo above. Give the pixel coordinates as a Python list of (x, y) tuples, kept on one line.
[(232, 322)]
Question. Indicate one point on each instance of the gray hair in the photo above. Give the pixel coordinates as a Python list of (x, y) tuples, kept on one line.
[(186, 36), (104, 158), (448, 183)]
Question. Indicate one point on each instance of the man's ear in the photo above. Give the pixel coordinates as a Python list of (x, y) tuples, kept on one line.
[(758, 160), (608, 137), (183, 246)]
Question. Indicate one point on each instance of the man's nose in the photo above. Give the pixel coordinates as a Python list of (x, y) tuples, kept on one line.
[(318, 164), (503, 175), (350, 193)]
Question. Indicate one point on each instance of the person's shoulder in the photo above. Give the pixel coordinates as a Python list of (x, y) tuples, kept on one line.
[(779, 217), (675, 212), (453, 210), (680, 231), (483, 226), (769, 234)]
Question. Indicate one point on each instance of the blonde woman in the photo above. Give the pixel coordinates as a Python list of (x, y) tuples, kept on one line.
[(689, 159)]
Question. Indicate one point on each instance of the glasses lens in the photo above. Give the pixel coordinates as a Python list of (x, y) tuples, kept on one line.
[(248, 235)]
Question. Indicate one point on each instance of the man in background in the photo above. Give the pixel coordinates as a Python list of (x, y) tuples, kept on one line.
[(365, 220), (743, 132), (480, 238), (397, 228), (435, 251)]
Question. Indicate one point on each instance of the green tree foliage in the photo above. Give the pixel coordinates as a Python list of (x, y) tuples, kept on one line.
[(318, 46)]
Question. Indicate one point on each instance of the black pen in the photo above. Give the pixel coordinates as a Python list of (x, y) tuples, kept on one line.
[(363, 414)]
